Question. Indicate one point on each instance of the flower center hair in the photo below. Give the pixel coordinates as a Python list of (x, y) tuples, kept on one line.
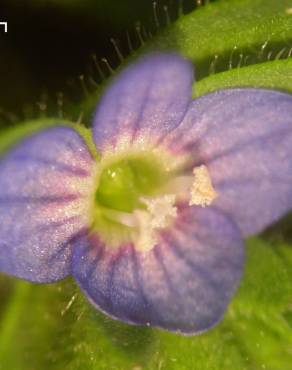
[(137, 196)]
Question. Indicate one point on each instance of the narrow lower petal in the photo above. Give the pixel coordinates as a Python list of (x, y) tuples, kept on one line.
[(149, 98), (183, 284), (45, 182), (244, 137)]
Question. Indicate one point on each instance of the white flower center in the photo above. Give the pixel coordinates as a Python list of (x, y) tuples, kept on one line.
[(159, 212)]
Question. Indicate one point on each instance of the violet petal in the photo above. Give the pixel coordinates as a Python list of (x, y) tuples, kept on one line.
[(244, 137), (43, 184), (150, 96), (183, 284)]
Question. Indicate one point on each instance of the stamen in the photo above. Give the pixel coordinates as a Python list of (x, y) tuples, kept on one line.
[(160, 212), (144, 223), (145, 238), (202, 191), (161, 209), (124, 218)]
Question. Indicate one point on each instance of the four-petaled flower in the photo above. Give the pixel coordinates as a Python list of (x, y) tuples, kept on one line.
[(150, 226)]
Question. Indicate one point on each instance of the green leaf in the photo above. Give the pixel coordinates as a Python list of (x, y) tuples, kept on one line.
[(220, 36), (273, 75), (14, 134)]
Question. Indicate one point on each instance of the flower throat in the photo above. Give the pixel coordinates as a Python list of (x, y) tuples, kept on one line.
[(137, 195)]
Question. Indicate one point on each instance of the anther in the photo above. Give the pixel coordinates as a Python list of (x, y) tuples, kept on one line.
[(202, 192)]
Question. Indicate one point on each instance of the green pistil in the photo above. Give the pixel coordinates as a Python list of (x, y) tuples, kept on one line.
[(123, 183)]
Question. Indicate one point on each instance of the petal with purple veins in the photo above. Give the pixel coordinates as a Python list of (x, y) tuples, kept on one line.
[(244, 137), (148, 98), (45, 185), (183, 284)]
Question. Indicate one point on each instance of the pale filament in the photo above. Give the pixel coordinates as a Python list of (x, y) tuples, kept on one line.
[(197, 189)]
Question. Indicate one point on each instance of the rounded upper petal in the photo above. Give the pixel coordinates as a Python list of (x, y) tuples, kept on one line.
[(183, 284), (149, 97), (44, 186), (244, 137)]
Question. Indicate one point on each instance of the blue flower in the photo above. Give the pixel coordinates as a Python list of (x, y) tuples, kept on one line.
[(152, 230)]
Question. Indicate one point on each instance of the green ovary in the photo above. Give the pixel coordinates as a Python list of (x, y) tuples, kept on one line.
[(123, 185)]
